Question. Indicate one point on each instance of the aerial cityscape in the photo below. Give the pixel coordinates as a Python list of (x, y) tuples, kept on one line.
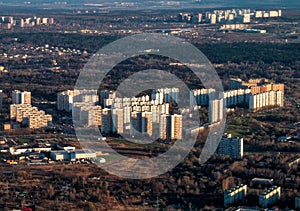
[(244, 136)]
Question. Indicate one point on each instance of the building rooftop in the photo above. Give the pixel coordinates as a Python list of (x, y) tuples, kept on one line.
[(234, 188), (269, 190)]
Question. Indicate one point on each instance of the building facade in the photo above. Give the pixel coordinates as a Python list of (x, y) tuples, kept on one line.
[(235, 194), (19, 97), (269, 197), (234, 147)]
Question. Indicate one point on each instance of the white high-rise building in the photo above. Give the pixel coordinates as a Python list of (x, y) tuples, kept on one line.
[(200, 17), (213, 19), (165, 108), (261, 100), (246, 18), (216, 110), (1, 98), (127, 114)]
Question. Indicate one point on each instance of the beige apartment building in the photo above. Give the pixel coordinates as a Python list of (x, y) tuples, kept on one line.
[(29, 116)]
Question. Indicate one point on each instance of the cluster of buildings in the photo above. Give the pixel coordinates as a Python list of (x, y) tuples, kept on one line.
[(46, 153), (262, 92), (254, 94), (19, 97), (24, 113), (267, 197), (241, 27), (137, 116), (228, 16), (7, 22), (66, 99), (153, 114)]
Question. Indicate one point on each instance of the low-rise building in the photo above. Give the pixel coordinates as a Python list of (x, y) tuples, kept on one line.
[(59, 155), (269, 196), (261, 182), (235, 194), (62, 155), (81, 154)]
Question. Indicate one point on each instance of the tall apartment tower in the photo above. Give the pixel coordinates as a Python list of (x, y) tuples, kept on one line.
[(136, 123), (65, 100), (176, 127), (246, 18), (200, 17), (89, 115), (127, 113), (19, 97), (106, 118), (234, 147), (216, 110), (22, 23), (1, 98), (118, 120), (147, 123), (104, 95), (213, 19), (165, 126)]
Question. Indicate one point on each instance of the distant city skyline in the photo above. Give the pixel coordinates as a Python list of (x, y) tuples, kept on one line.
[(110, 5)]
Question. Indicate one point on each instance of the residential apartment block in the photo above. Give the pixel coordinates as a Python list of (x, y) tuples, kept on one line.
[(1, 98), (66, 99), (235, 194), (255, 94), (269, 197), (234, 147), (19, 97), (30, 116)]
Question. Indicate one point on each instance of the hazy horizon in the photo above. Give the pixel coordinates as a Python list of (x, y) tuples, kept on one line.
[(17, 5)]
